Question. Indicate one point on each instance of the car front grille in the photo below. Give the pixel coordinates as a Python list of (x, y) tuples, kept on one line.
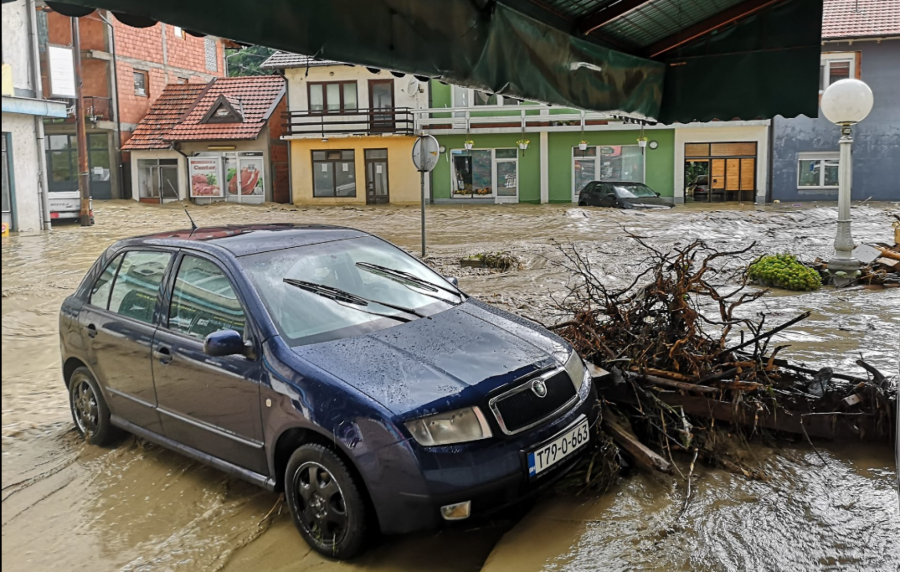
[(522, 407)]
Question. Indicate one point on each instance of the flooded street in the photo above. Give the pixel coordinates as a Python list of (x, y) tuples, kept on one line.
[(140, 507)]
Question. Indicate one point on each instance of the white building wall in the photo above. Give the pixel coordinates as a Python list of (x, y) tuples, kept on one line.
[(16, 45), (724, 132), (298, 94), (25, 171)]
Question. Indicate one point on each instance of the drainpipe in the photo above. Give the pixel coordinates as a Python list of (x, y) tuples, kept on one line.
[(117, 140), (43, 184)]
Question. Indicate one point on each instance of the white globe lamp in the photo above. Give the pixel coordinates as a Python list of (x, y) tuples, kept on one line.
[(845, 103)]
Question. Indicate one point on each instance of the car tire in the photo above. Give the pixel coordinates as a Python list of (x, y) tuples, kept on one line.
[(325, 502), (89, 409), (582, 204)]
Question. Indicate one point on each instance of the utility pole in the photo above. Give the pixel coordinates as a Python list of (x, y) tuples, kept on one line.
[(86, 215)]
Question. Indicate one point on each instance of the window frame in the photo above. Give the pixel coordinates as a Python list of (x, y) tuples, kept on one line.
[(160, 294), (146, 76), (820, 157), (178, 32), (169, 295), (495, 196), (120, 256), (341, 106), (828, 58), (314, 162)]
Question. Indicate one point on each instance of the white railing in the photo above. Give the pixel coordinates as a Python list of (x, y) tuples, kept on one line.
[(500, 118)]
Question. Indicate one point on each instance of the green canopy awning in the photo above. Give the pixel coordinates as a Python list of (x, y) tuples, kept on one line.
[(671, 60)]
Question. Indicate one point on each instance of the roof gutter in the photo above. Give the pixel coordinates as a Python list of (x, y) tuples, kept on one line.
[(852, 39)]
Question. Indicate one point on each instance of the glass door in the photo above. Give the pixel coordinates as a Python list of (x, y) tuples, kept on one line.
[(381, 97), (98, 166), (377, 191)]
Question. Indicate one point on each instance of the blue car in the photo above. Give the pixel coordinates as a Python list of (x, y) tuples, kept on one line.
[(329, 364)]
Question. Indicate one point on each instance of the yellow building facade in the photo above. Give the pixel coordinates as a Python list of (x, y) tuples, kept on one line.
[(375, 159)]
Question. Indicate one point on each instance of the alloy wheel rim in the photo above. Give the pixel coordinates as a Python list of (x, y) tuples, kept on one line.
[(85, 407), (319, 504)]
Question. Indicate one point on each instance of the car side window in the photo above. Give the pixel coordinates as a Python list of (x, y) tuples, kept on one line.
[(136, 286), (100, 291), (203, 300)]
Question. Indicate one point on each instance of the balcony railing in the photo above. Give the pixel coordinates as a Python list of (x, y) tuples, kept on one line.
[(98, 108), (396, 120)]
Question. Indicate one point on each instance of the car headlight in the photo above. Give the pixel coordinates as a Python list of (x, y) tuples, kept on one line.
[(575, 369), (457, 426)]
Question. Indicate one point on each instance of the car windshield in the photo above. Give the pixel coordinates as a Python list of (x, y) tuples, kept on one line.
[(634, 191), (363, 272)]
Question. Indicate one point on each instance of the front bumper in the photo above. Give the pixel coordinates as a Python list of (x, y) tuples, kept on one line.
[(492, 474)]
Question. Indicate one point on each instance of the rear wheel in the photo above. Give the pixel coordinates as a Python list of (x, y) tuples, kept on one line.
[(582, 204), (89, 409), (325, 502)]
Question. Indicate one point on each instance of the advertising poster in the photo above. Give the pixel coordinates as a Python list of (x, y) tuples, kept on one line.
[(205, 174), (248, 180)]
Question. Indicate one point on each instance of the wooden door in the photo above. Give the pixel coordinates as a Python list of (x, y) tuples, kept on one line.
[(717, 175)]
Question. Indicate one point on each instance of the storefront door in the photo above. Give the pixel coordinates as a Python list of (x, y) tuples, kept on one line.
[(377, 191), (720, 171)]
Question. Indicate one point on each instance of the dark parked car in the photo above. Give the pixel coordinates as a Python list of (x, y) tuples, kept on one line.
[(623, 195), (327, 363)]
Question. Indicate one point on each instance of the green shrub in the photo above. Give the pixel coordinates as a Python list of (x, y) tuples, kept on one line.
[(783, 271)]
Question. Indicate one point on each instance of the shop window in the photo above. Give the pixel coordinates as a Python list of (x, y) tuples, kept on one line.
[(141, 84), (485, 173), (62, 159), (136, 286), (203, 300), (606, 163), (465, 97), (334, 173), (817, 171), (836, 66), (333, 97), (720, 171), (245, 177), (158, 179)]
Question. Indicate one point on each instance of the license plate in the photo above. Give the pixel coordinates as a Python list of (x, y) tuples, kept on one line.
[(558, 448)]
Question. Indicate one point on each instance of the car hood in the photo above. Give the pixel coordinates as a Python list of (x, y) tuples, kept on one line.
[(449, 360)]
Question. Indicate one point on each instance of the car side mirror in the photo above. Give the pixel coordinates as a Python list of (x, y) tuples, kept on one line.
[(657, 194), (452, 280), (225, 343)]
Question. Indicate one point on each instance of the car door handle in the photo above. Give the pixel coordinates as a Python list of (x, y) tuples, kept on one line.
[(91, 331), (163, 355)]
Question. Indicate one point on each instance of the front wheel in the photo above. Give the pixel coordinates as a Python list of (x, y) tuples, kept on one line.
[(89, 409), (582, 204), (325, 502)]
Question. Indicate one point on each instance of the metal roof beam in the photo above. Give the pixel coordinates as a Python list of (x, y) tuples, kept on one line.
[(607, 14), (733, 14)]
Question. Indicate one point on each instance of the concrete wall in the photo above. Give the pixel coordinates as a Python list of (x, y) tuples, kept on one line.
[(724, 132), (876, 141), (15, 43), (27, 206), (403, 180)]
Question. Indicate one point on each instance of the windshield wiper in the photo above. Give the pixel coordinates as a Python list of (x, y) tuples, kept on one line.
[(350, 300), (407, 278)]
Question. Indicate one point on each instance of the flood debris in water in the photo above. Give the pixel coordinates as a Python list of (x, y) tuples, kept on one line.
[(880, 265), (502, 261), (684, 356)]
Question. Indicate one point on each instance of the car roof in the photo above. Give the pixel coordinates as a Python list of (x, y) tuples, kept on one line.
[(242, 240)]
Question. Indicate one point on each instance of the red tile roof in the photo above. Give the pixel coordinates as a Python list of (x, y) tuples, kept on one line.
[(254, 97), (178, 112), (166, 112), (860, 19)]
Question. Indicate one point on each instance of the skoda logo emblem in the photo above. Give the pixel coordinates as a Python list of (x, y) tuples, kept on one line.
[(539, 388)]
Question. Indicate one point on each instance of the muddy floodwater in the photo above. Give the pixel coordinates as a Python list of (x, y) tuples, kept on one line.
[(139, 507)]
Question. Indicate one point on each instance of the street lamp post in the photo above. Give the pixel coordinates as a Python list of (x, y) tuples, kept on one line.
[(845, 103)]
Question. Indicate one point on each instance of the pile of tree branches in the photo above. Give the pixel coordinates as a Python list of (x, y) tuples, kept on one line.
[(684, 353)]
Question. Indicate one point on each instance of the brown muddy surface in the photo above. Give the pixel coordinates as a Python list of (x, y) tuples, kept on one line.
[(140, 507)]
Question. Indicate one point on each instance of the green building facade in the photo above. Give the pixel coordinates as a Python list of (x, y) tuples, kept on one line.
[(553, 168)]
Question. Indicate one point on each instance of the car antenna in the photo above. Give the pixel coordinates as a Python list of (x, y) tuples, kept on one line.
[(193, 224)]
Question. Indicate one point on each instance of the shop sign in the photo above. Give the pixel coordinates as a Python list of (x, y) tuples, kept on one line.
[(607, 151), (206, 177)]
